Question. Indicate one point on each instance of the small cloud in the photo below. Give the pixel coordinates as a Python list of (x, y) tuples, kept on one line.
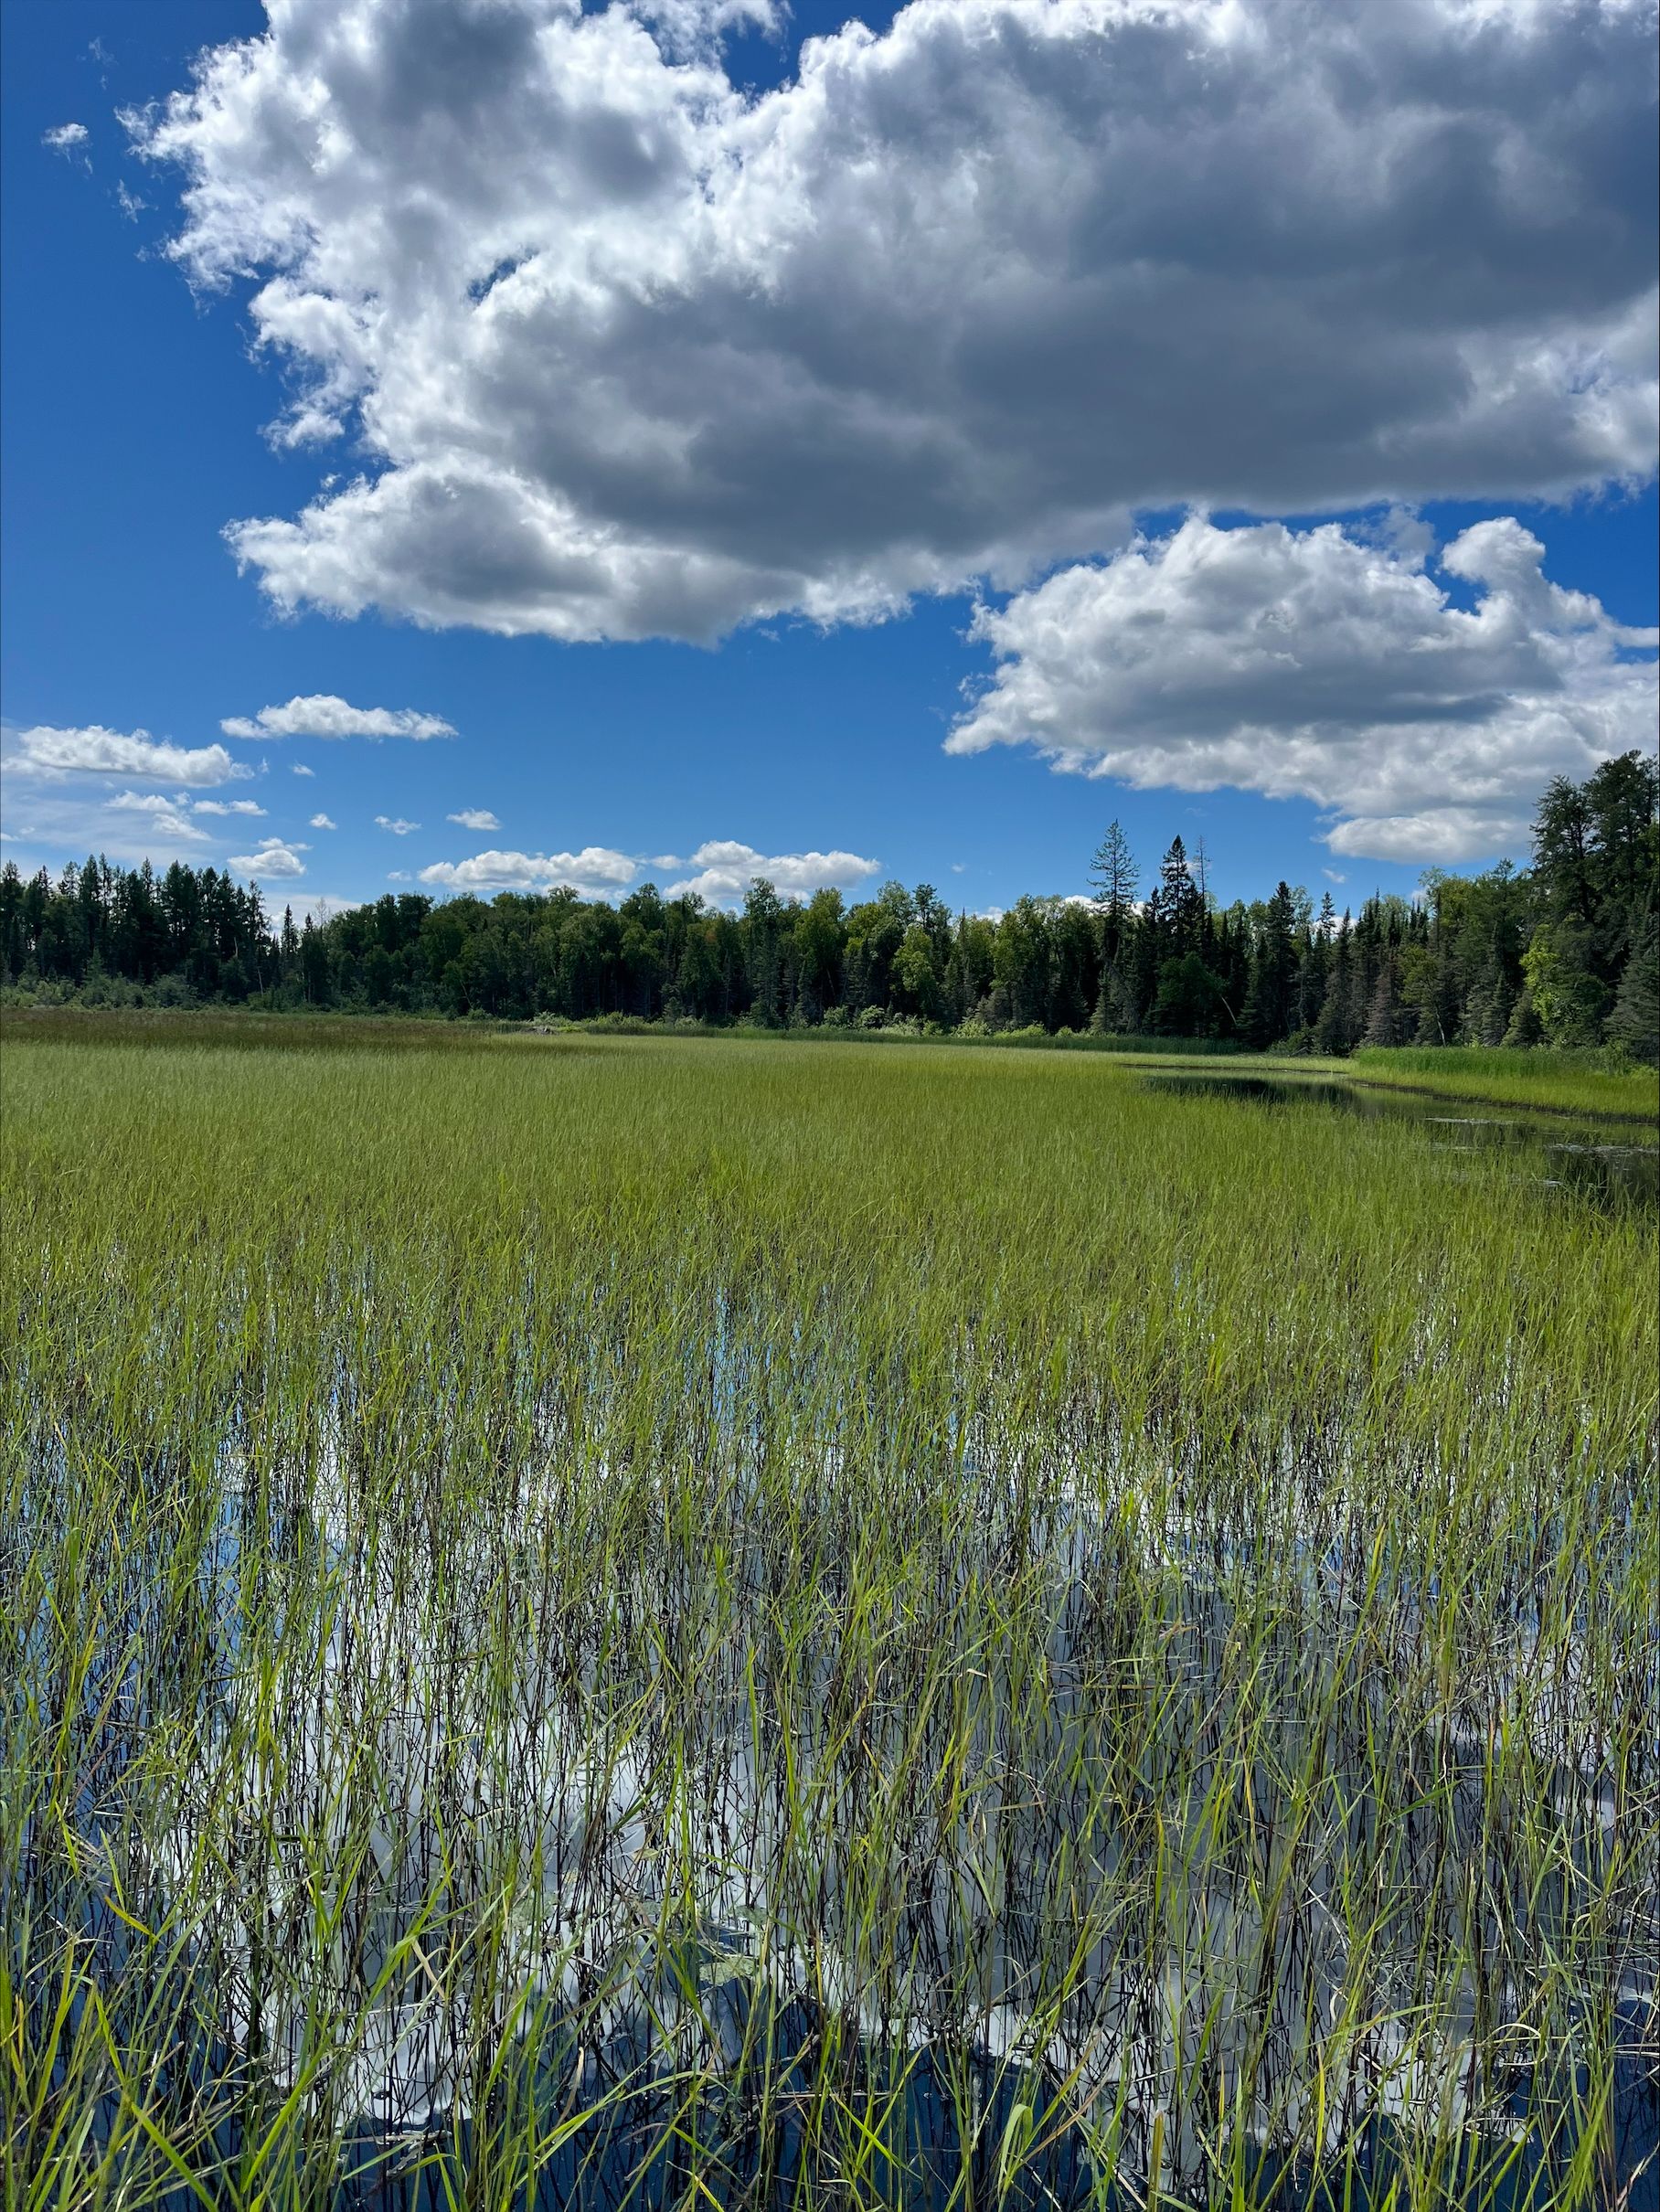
[(322, 822), (166, 816), (322, 714), (300, 769), (1333, 875), (70, 138), (227, 806), (726, 870), (957, 867), (596, 868), (1407, 534), (277, 856), (130, 203), (475, 818), (397, 876), (396, 823), (664, 860)]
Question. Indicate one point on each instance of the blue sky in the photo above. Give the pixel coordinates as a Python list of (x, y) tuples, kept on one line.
[(781, 715)]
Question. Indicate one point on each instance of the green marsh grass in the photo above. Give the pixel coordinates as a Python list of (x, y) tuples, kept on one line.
[(594, 1620), (1594, 1083)]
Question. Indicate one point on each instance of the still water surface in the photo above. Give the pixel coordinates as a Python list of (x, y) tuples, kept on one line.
[(1613, 1161)]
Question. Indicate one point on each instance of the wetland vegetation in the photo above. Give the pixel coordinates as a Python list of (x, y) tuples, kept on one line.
[(604, 1621)]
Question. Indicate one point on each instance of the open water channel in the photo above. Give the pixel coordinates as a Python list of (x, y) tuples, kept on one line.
[(1613, 1162)]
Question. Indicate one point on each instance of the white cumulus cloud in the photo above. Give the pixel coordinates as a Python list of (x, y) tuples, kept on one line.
[(168, 818), (322, 714), (396, 823), (227, 806), (50, 753), (300, 769), (1320, 664), (725, 870), (322, 822), (628, 350), (596, 870), (67, 138), (276, 858), (475, 818)]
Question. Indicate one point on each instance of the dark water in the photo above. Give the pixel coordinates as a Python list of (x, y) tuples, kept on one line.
[(935, 2156), (940, 2131), (1613, 1163)]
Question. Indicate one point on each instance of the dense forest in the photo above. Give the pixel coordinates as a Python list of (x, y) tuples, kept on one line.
[(1564, 952)]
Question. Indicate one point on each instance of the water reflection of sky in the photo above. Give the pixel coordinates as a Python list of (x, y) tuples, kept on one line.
[(643, 1962)]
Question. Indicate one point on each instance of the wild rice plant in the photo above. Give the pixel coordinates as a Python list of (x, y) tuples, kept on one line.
[(611, 1622)]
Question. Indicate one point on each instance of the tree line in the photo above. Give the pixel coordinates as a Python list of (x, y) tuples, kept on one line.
[(1564, 952)]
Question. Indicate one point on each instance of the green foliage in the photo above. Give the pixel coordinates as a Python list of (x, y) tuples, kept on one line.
[(1189, 1000), (1568, 996)]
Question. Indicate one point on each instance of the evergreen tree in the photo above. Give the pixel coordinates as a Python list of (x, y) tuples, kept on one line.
[(1333, 1033), (1384, 1023), (1178, 906), (1635, 1019), (763, 921), (1112, 873), (1274, 970)]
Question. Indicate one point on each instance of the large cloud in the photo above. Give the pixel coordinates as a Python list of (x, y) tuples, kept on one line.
[(1311, 664), (631, 352), (324, 715), (51, 754)]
